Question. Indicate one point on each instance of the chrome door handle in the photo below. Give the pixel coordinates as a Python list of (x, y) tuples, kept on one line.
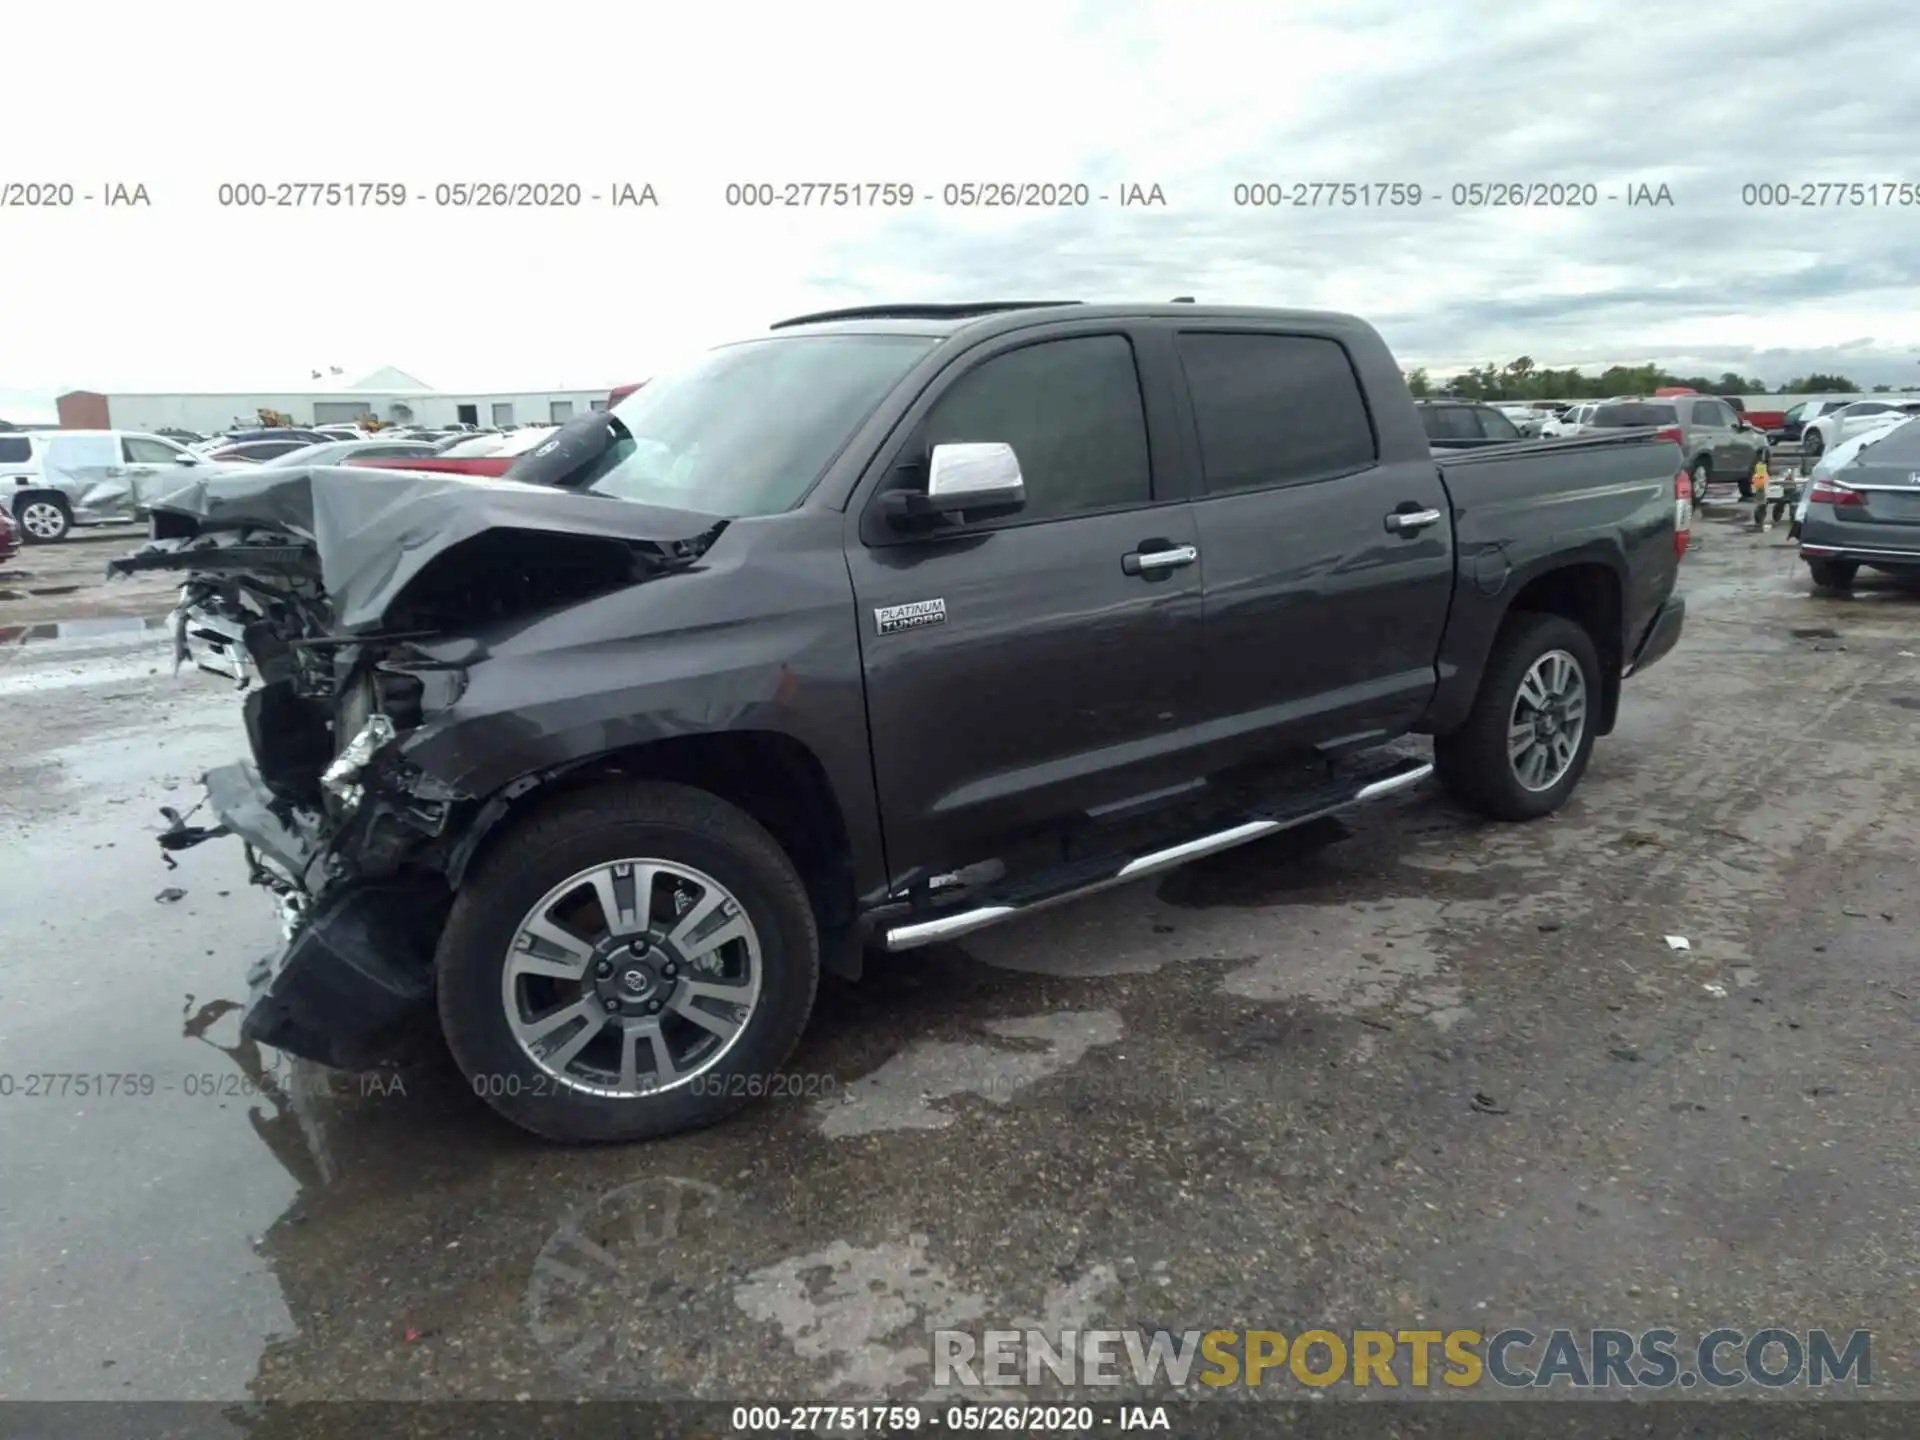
[(1153, 562), (1406, 522)]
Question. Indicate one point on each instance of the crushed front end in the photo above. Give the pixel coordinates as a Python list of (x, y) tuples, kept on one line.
[(355, 842)]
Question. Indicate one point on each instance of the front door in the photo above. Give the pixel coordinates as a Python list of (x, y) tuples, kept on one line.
[(1026, 679), (1327, 573)]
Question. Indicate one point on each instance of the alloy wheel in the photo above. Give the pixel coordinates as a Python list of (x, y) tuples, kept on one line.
[(632, 977), (43, 520), (1548, 720)]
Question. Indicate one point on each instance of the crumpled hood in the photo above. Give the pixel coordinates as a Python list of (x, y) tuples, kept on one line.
[(375, 531)]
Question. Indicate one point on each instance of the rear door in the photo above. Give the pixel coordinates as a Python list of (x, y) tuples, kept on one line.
[(87, 470), (1327, 571), (1025, 676)]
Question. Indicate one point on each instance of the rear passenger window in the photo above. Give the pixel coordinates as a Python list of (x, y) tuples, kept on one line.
[(15, 450), (1705, 412), (1072, 412), (1275, 408), (1449, 422), (1495, 426)]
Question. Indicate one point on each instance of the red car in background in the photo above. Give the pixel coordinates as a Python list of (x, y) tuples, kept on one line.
[(481, 455), (1760, 419)]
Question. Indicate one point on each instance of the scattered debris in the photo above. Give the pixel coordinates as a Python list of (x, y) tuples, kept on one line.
[(1855, 914), (1715, 989), (1815, 632), (171, 894), (1628, 1053), (1547, 927), (1484, 1104), (1678, 942)]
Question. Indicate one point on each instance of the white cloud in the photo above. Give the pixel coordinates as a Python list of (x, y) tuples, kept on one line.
[(1193, 96)]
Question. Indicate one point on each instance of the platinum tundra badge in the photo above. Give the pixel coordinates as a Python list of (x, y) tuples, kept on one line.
[(891, 619)]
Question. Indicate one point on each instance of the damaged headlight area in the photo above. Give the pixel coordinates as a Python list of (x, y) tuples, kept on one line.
[(329, 596)]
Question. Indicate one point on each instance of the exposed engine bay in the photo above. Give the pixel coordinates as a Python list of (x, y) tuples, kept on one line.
[(329, 583)]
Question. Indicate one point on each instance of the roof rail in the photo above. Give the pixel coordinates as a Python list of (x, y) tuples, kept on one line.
[(918, 312)]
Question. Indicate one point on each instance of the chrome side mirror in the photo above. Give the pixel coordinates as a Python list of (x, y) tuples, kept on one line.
[(977, 479)]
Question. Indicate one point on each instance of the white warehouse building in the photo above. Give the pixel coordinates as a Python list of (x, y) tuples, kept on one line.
[(390, 395)]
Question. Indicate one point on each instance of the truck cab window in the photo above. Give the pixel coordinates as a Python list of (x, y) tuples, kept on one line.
[(1274, 409), (1495, 426), (1071, 410)]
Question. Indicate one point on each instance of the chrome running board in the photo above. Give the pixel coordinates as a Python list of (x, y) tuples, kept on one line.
[(964, 922)]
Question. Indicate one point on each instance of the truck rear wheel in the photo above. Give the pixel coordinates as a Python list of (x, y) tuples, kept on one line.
[(1526, 742), (627, 963)]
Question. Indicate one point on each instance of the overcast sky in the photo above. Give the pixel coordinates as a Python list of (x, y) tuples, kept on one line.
[(1192, 96)]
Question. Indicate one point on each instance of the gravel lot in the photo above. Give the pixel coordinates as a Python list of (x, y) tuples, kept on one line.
[(1409, 1071)]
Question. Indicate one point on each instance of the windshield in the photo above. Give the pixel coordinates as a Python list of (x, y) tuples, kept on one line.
[(1632, 416), (747, 429)]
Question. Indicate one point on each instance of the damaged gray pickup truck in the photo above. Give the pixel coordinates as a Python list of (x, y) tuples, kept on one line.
[(866, 633)]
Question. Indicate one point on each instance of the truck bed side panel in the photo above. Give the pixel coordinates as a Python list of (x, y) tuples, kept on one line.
[(1521, 512)]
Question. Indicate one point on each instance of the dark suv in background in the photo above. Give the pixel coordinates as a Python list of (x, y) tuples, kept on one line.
[(1718, 442)]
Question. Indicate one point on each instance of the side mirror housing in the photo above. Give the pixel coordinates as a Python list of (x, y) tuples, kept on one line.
[(972, 481)]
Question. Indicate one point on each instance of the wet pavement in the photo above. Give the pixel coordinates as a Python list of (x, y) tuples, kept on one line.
[(1408, 1070)]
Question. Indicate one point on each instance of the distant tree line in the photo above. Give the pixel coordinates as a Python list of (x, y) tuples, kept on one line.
[(1522, 380)]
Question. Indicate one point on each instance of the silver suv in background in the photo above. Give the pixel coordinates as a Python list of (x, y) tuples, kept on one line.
[(1718, 442), (53, 480)]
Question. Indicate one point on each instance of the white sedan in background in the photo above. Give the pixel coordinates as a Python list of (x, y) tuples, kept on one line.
[(1841, 425), (1570, 424)]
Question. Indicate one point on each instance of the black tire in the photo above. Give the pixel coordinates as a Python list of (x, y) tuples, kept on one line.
[(1811, 445), (1834, 575), (48, 513), (674, 823), (1701, 473), (1473, 762)]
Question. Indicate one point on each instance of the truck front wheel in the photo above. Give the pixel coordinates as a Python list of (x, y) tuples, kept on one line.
[(629, 962), (1527, 739)]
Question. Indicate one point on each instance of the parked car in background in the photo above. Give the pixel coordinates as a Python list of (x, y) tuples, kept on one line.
[(1796, 419), (228, 438), (1524, 418), (1833, 426), (59, 479), (339, 452), (1762, 420), (1465, 425), (180, 437), (1719, 445), (469, 455), (823, 654), (252, 452), (1839, 456), (1866, 510), (9, 537), (1569, 422)]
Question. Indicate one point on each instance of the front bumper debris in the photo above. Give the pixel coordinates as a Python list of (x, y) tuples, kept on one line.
[(356, 968), (355, 976)]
